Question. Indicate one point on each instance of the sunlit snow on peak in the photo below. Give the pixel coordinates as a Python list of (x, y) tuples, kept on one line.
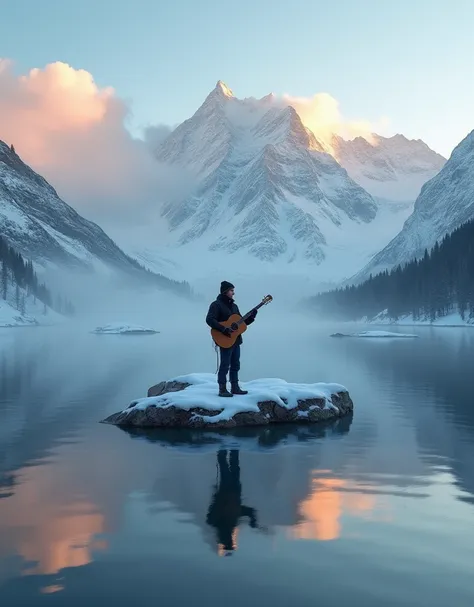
[(224, 89)]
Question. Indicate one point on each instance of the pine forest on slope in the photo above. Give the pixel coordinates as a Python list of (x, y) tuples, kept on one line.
[(20, 285), (438, 284)]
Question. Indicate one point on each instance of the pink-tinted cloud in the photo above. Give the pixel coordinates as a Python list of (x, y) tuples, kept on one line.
[(74, 134)]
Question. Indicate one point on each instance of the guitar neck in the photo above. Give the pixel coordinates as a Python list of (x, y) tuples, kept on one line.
[(250, 312)]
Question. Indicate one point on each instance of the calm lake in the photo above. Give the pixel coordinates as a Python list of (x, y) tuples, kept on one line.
[(377, 509)]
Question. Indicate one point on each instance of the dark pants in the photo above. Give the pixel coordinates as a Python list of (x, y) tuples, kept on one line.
[(230, 360)]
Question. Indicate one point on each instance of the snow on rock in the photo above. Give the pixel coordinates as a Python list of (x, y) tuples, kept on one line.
[(9, 317), (122, 329), (374, 334), (191, 401)]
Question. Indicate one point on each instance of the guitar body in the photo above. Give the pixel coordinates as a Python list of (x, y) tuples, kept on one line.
[(227, 342), (237, 324)]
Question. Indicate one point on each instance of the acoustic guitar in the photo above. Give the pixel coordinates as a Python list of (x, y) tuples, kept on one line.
[(236, 324)]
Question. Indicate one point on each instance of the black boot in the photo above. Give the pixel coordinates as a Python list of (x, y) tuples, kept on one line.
[(236, 389), (223, 390)]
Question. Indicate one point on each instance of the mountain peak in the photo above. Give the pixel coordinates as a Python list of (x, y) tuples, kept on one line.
[(270, 98), (219, 95), (223, 89)]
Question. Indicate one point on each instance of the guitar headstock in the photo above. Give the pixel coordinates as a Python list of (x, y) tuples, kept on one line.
[(267, 299)]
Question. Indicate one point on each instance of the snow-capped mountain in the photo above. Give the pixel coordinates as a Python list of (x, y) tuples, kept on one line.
[(394, 168), (268, 198), (266, 186), (271, 197), (43, 228), (444, 204)]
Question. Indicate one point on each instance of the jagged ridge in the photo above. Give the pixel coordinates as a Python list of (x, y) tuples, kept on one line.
[(265, 181)]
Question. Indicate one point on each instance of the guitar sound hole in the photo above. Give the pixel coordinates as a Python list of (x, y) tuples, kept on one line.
[(234, 326)]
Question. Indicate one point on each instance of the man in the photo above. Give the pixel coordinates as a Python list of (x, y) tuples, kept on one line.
[(219, 311)]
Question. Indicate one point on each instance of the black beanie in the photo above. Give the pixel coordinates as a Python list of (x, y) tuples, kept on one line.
[(225, 286)]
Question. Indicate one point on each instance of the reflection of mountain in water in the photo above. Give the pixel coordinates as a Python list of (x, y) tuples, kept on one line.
[(440, 397)]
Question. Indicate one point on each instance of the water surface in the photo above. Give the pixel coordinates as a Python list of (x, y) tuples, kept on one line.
[(377, 509)]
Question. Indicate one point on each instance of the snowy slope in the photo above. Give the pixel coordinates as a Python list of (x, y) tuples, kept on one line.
[(393, 168), (30, 312), (266, 187), (445, 203), (43, 228), (35, 314), (10, 317)]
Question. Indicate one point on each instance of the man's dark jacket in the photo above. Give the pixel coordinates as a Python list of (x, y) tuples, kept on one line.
[(220, 310)]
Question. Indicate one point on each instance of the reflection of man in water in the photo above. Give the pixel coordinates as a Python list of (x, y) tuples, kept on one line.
[(226, 507)]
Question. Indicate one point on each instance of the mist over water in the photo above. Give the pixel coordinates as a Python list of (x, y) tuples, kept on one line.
[(107, 297)]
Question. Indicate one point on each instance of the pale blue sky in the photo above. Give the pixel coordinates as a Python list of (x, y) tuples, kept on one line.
[(409, 60)]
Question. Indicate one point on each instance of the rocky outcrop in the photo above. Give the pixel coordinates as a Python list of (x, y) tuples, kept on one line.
[(159, 411)]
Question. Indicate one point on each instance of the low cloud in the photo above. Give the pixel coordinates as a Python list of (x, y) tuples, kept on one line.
[(74, 133), (322, 115), (155, 135)]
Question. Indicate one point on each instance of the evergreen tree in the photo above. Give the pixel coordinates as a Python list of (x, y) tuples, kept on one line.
[(20, 272), (439, 283)]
